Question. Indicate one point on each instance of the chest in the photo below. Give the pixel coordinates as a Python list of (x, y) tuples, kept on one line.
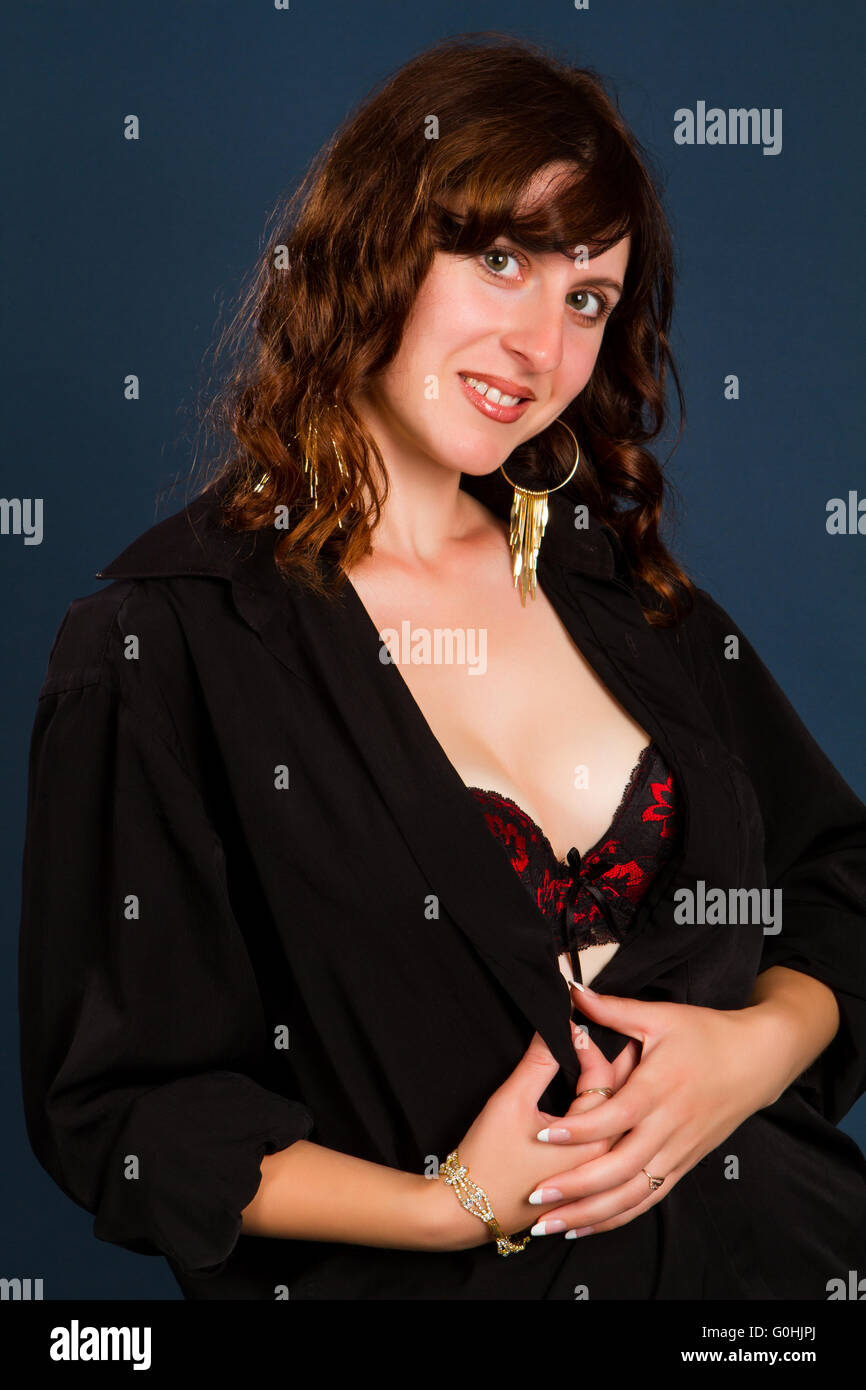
[(515, 706)]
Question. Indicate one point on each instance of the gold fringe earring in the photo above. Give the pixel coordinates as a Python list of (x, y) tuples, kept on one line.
[(528, 521), (310, 451), (311, 461)]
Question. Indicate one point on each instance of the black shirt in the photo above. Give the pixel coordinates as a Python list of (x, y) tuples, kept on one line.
[(243, 926)]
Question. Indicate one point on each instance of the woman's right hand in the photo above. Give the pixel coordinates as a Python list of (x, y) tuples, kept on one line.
[(502, 1152)]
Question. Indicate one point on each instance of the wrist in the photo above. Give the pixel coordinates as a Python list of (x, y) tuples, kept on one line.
[(812, 1006), (445, 1223), (777, 1044)]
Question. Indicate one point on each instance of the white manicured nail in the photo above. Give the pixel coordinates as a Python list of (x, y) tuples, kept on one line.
[(544, 1194), (547, 1228)]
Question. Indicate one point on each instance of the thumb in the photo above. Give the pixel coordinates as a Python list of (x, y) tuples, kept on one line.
[(535, 1070)]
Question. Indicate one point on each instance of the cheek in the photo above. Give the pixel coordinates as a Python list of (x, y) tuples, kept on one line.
[(455, 318), (456, 309), (579, 359), (438, 340), (432, 331)]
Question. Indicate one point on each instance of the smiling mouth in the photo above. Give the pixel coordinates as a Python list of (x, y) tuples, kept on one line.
[(491, 394)]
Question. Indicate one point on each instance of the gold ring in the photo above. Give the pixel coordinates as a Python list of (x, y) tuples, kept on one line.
[(595, 1091), (653, 1182)]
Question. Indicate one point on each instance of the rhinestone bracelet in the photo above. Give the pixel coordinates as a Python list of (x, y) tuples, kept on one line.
[(475, 1200)]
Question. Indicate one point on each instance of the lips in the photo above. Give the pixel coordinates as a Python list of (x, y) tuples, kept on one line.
[(501, 384), (496, 397)]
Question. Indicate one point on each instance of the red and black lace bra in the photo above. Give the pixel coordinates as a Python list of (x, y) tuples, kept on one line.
[(590, 901)]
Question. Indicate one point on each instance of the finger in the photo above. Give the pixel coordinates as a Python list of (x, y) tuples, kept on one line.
[(651, 1200), (594, 1193), (623, 1065), (605, 1212), (534, 1072), (635, 1018), (625, 1109), (595, 1072), (596, 1076), (595, 1069), (612, 1199), (649, 1143)]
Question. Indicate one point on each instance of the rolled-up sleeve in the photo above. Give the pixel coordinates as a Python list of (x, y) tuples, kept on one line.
[(815, 845), (148, 1075)]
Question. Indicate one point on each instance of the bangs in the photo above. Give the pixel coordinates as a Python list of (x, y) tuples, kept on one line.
[(578, 208)]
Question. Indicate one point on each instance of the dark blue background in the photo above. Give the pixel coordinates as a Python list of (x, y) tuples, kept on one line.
[(120, 256)]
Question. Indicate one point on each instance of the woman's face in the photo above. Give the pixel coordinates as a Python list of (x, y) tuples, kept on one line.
[(483, 330)]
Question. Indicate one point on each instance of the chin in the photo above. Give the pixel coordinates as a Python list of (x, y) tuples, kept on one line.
[(468, 453), (478, 467)]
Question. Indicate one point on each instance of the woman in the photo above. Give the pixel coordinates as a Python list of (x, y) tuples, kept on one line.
[(297, 955)]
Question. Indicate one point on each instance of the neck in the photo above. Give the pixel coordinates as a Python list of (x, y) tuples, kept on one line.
[(426, 509)]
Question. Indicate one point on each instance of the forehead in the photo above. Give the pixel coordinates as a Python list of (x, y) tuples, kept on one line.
[(543, 185)]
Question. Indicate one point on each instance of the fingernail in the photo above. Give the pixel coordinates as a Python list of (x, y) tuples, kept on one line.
[(546, 1135), (575, 985), (582, 1231), (544, 1194), (547, 1228)]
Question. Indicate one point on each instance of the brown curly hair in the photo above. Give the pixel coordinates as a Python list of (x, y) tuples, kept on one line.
[(327, 303)]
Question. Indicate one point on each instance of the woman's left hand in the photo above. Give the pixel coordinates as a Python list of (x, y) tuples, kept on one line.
[(702, 1072)]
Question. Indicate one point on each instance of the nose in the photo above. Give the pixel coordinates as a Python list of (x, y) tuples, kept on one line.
[(534, 334)]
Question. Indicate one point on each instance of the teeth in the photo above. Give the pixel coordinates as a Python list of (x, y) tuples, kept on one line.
[(480, 386), (491, 393)]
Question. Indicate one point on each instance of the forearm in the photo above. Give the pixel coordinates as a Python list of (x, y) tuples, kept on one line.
[(309, 1192), (800, 1016)]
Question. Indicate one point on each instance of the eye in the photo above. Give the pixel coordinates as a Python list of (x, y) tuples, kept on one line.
[(501, 255), (589, 313)]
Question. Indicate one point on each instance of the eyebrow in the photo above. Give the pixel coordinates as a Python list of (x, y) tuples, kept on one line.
[(603, 280)]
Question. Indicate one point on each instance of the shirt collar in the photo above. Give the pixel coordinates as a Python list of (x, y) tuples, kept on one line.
[(193, 541)]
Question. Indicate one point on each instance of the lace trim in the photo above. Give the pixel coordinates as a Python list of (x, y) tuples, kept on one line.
[(624, 799)]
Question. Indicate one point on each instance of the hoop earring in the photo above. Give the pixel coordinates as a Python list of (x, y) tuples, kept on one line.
[(528, 520)]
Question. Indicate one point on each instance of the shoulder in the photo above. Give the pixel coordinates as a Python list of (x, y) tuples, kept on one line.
[(81, 649), (152, 589), (748, 703), (702, 624), (707, 618), (705, 625), (713, 649), (713, 638)]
